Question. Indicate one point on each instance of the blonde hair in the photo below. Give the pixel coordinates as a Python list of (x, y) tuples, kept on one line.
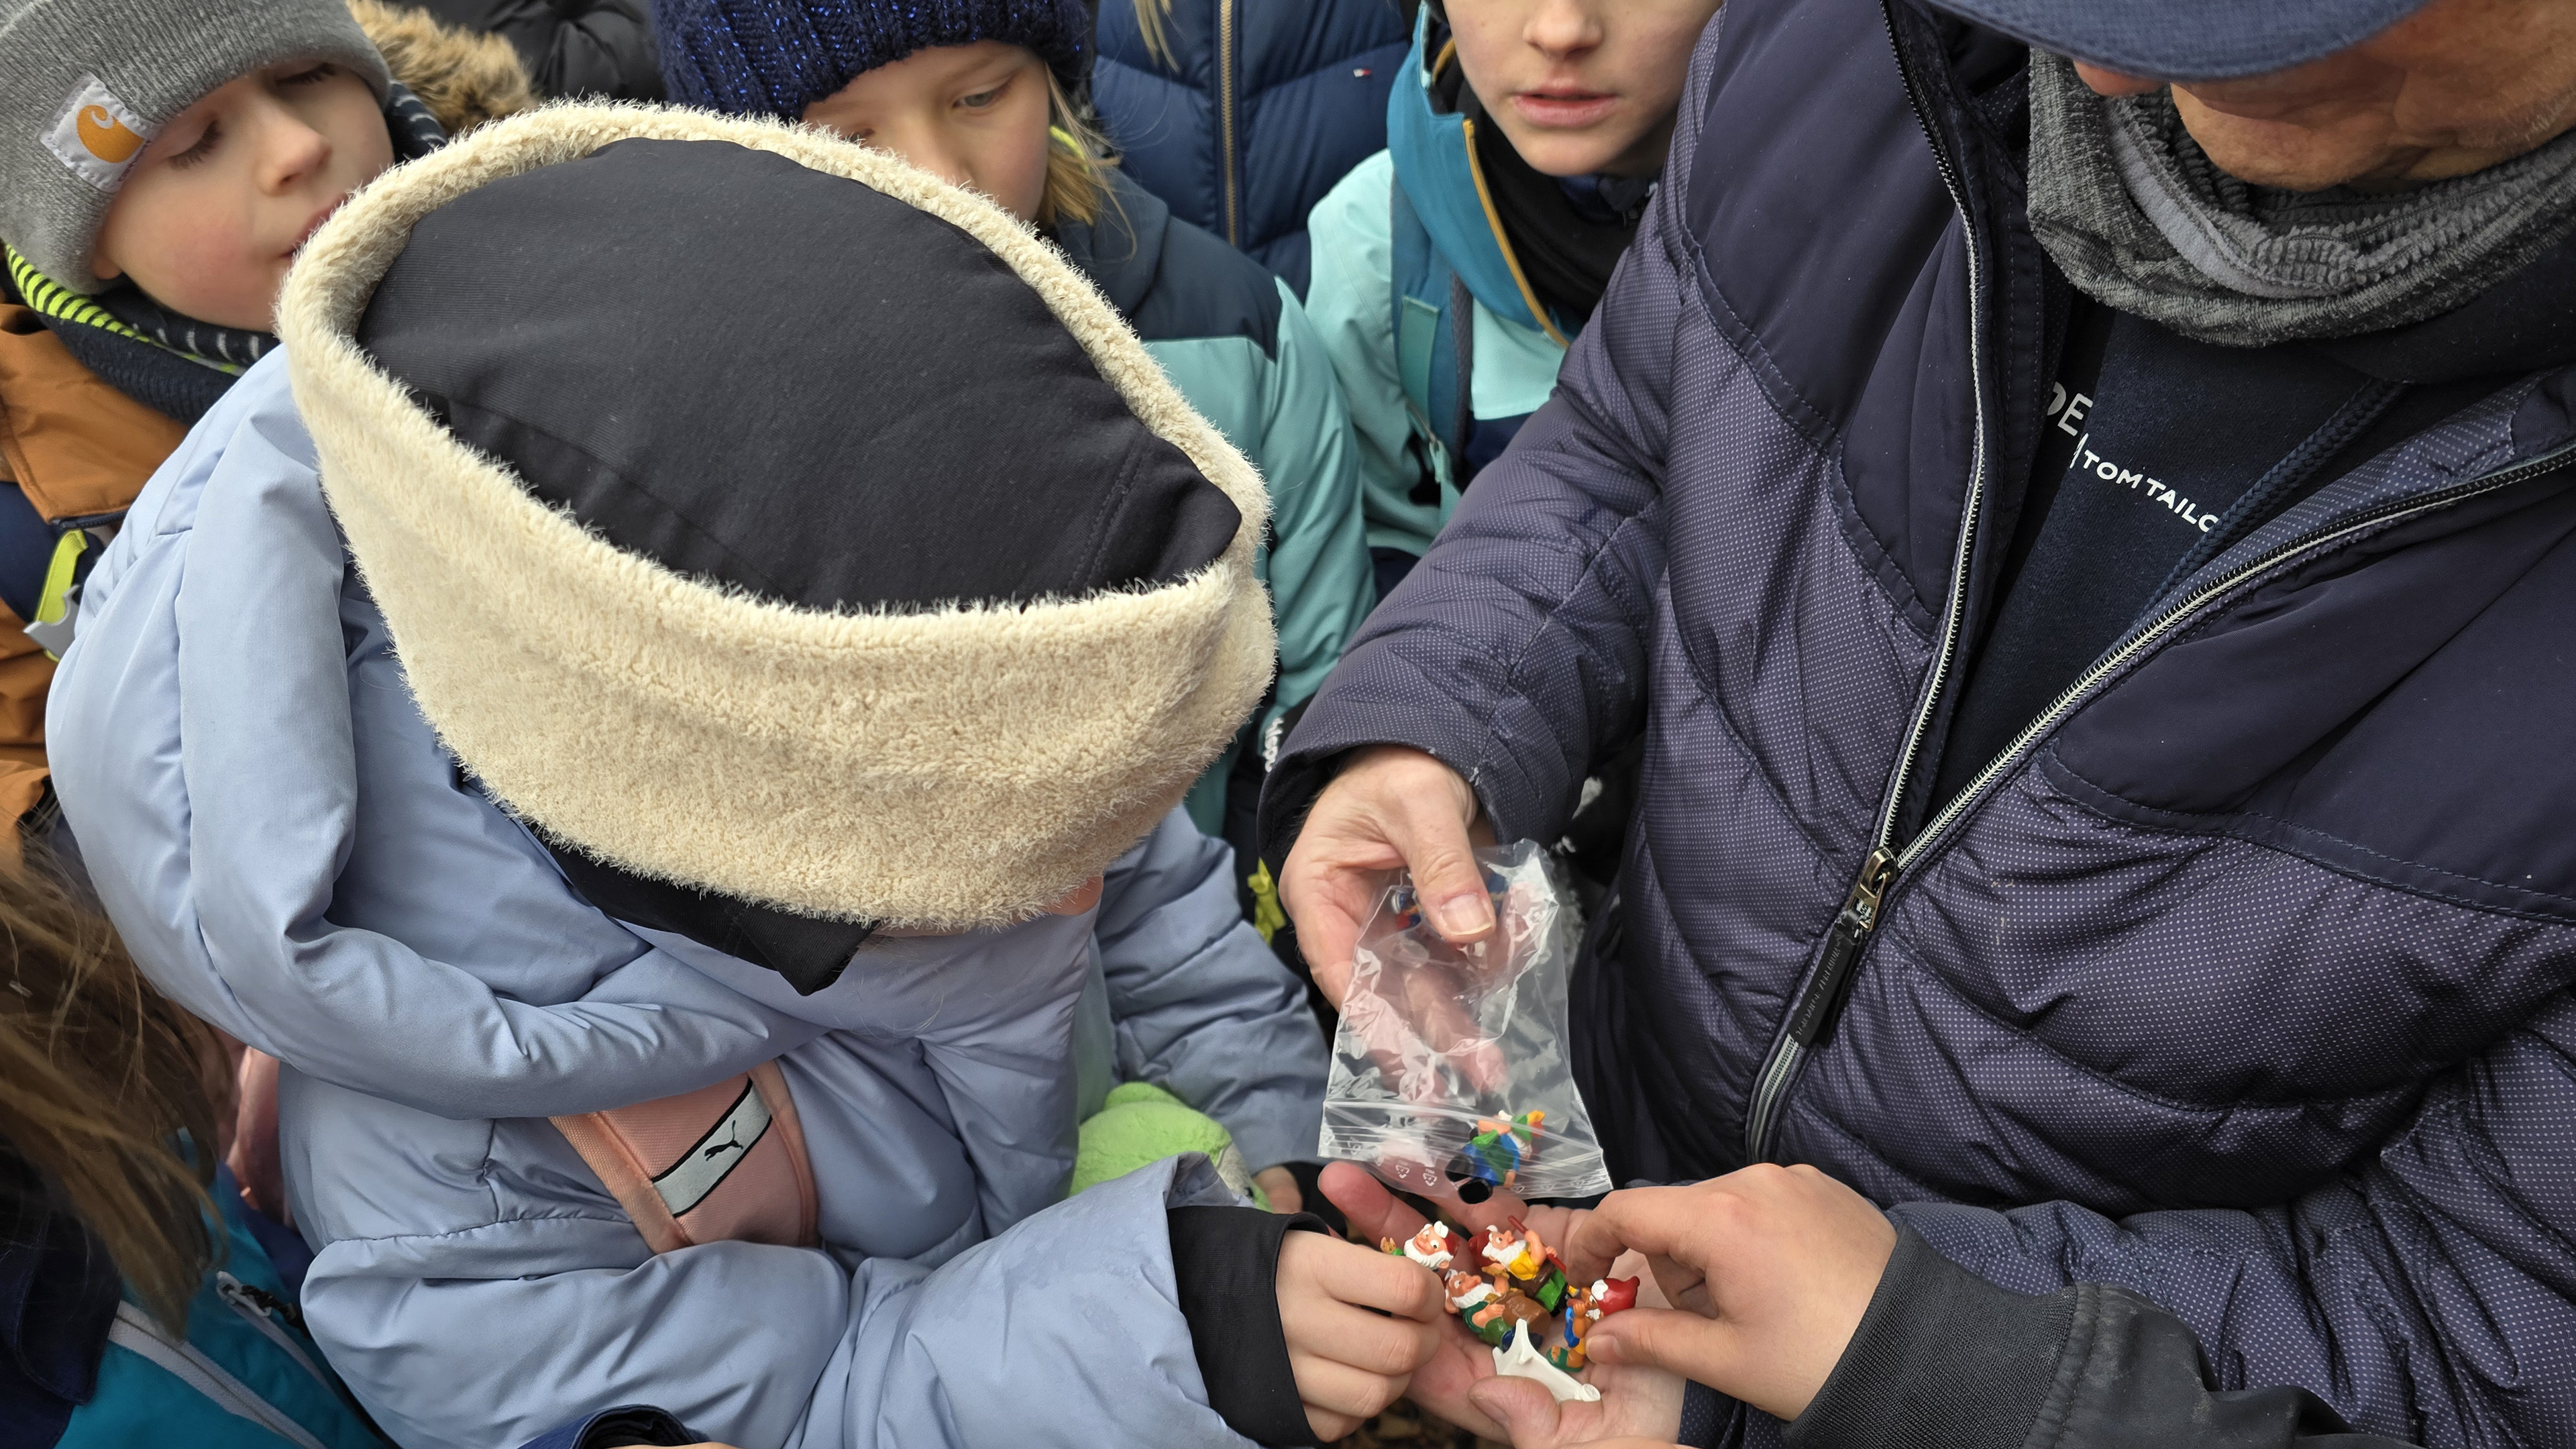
[(1077, 160), (99, 1074), (1149, 20)]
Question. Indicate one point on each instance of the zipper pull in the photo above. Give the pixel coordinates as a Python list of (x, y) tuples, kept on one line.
[(246, 1298), (1843, 942)]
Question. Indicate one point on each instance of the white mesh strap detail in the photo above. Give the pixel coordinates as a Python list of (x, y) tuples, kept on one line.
[(137, 1333)]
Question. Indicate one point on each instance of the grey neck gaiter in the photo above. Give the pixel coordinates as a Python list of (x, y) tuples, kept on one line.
[(2131, 208)]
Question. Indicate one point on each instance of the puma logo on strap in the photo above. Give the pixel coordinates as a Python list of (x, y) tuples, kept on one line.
[(712, 1158), (725, 1162)]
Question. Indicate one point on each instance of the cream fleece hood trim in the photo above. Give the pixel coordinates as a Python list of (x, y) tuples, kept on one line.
[(946, 769)]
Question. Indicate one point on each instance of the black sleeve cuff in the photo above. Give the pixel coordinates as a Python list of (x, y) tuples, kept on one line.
[(1225, 1262), (613, 1428), (1944, 1357), (1287, 793), (1941, 1357)]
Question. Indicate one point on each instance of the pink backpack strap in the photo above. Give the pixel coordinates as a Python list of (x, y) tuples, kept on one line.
[(725, 1162)]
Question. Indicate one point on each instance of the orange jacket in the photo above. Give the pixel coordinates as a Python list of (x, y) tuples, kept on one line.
[(79, 449)]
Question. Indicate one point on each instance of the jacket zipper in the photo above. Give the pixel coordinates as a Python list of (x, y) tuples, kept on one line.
[(255, 1305), (2139, 641), (140, 1334), (1225, 115), (1820, 995), (1811, 1009)]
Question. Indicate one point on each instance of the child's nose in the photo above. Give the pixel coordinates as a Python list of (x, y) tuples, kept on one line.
[(291, 151), (1562, 28)]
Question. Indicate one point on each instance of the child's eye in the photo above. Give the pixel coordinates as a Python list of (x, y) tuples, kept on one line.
[(982, 99), (320, 72), (199, 150)]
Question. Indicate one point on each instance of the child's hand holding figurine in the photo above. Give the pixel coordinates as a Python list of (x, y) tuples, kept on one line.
[(1359, 1325), (1502, 1367)]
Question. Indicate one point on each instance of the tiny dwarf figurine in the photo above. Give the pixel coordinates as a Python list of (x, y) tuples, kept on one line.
[(1613, 1295), (1478, 1302), (1510, 1250), (1517, 1252), (1501, 1311), (1465, 1291), (1405, 906), (1507, 1279), (1583, 1308), (1495, 1153), (1430, 1247)]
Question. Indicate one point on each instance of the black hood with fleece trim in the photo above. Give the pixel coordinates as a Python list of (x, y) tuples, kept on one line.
[(898, 588)]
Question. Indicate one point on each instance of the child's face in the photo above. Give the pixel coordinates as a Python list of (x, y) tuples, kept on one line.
[(215, 209), (1580, 86), (974, 114)]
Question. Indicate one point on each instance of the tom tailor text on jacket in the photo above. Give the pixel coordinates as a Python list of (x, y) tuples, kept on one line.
[(2069, 411)]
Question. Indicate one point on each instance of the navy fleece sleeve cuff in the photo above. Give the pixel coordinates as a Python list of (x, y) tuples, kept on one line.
[(1225, 1261), (611, 1428), (1286, 796)]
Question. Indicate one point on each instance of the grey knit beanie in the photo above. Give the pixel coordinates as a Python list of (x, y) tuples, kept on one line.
[(86, 83)]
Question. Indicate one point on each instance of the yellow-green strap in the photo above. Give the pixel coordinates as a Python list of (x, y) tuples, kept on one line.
[(1267, 917), (55, 601), (53, 299)]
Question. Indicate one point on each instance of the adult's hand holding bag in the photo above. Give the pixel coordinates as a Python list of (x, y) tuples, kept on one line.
[(1450, 1076)]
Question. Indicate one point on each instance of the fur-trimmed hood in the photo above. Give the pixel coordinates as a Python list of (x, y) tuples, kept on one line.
[(465, 78), (899, 756)]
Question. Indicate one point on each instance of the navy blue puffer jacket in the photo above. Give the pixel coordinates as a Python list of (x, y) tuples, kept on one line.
[(2240, 979), (1253, 110)]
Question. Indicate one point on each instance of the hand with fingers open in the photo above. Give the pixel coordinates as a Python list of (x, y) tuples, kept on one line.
[(1770, 1270), (1457, 1380)]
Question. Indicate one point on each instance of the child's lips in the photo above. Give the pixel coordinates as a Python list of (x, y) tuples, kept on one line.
[(1565, 110), (313, 226)]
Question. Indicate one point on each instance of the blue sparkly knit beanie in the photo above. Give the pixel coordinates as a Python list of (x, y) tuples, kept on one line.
[(776, 57)]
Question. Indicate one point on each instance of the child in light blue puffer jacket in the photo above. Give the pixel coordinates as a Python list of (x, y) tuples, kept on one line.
[(676, 746)]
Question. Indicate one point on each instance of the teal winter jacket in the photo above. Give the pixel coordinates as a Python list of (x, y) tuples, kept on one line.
[(1405, 239), (1237, 344), (244, 1376)]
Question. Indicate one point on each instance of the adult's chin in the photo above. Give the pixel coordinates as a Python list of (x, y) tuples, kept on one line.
[(2292, 157)]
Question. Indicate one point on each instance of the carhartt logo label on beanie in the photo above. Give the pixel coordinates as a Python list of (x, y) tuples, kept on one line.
[(96, 135)]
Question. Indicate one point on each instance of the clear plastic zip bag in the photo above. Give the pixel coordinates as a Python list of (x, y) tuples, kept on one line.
[(1450, 1074)]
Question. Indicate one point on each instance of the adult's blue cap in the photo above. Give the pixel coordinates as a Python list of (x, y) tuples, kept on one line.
[(2188, 39)]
